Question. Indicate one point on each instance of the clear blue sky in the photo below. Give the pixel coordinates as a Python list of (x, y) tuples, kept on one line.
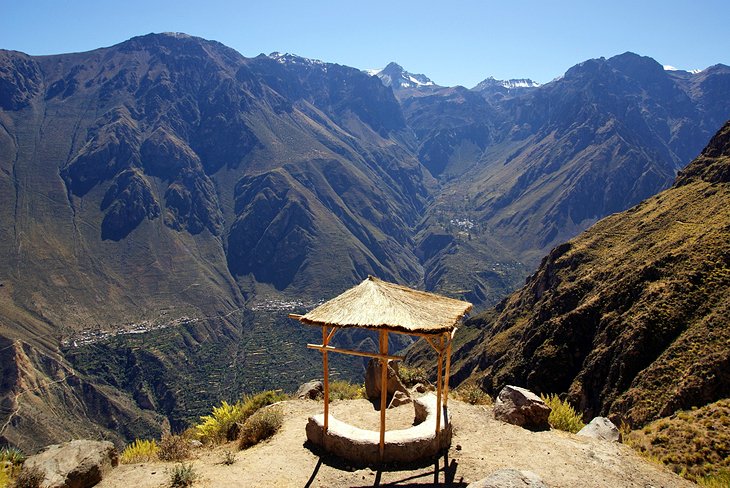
[(452, 42)]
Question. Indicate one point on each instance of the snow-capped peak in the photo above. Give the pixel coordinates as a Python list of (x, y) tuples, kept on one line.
[(288, 58), (491, 83), (669, 67), (395, 76)]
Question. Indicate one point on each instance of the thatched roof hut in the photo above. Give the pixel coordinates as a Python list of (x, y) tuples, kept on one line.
[(386, 307), (377, 304)]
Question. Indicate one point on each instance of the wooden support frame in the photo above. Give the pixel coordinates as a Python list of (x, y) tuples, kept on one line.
[(442, 348)]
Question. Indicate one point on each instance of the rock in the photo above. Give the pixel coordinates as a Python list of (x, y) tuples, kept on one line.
[(521, 407), (509, 478), (195, 444), (311, 390), (601, 428), (75, 464), (420, 388), (399, 398), (373, 377)]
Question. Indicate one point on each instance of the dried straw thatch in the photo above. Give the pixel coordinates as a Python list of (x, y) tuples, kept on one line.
[(377, 304)]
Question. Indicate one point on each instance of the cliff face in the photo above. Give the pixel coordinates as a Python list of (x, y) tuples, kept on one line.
[(631, 317)]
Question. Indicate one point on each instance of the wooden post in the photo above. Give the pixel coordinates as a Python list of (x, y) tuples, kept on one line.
[(383, 388), (326, 380), (448, 371), (439, 386)]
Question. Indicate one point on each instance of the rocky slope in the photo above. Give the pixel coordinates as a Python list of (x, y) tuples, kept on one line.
[(630, 319)]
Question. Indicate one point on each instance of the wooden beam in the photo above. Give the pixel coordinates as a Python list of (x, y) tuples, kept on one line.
[(355, 353), (330, 336), (325, 364), (448, 371), (295, 316), (439, 387), (383, 387)]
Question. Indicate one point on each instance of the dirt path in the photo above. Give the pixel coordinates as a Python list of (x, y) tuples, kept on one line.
[(480, 446)]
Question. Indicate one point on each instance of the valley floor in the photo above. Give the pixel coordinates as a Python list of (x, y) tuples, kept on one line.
[(480, 446)]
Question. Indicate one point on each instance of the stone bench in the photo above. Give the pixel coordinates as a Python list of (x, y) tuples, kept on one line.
[(362, 447)]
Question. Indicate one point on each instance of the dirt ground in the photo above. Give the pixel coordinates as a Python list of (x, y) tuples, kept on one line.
[(480, 446)]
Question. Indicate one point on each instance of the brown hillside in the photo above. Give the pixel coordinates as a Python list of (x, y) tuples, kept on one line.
[(631, 317)]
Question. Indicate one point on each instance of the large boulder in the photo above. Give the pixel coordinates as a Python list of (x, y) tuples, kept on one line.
[(311, 390), (373, 378), (601, 428), (75, 464), (510, 478), (521, 407)]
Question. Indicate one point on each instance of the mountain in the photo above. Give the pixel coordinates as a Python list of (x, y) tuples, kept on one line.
[(166, 201), (159, 185), (499, 89), (536, 169), (629, 319), (394, 76)]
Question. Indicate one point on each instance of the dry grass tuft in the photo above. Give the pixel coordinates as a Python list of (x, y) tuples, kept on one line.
[(262, 425), (173, 448)]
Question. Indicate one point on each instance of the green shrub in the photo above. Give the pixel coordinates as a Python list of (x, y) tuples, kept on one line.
[(344, 390), (410, 376), (214, 428), (173, 448), (182, 475), (472, 394), (563, 416), (717, 480), (12, 455), (29, 477), (260, 426), (139, 451)]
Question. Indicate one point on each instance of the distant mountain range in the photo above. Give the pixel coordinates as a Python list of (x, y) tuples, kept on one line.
[(168, 183)]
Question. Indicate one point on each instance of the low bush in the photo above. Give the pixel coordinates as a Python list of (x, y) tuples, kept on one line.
[(173, 448), (563, 416), (139, 451), (472, 394), (410, 376), (262, 425), (718, 480), (214, 428), (29, 477), (182, 475), (344, 390)]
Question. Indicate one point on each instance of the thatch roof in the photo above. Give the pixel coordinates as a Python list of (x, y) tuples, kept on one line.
[(377, 304)]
